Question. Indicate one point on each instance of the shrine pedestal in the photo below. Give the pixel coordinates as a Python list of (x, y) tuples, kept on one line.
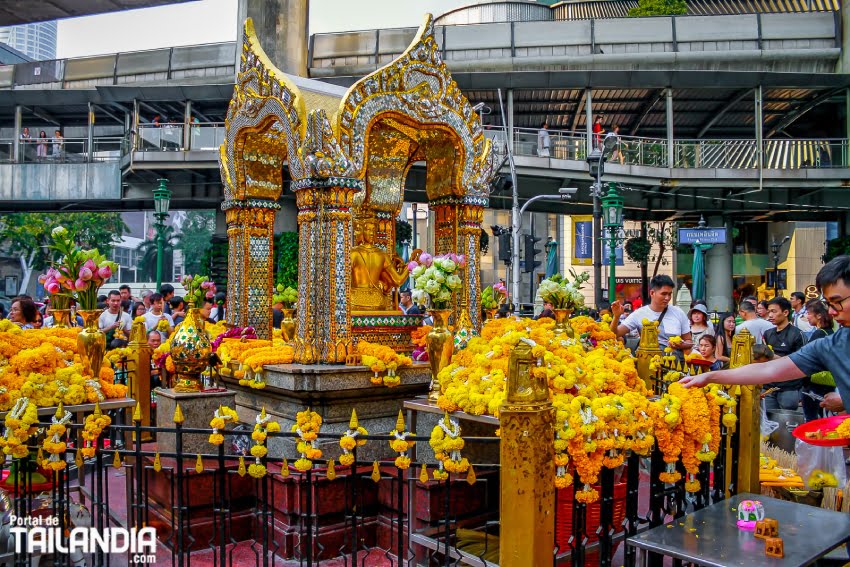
[(197, 408), (332, 391)]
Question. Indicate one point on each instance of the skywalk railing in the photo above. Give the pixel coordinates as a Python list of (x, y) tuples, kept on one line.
[(782, 154), (61, 150), (170, 137)]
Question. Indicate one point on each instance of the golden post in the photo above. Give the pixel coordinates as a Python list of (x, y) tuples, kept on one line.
[(749, 432), (528, 466), (647, 349), (139, 372)]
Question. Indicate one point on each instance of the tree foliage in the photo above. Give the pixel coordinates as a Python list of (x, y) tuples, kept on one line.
[(659, 8), (195, 239), (147, 257), (836, 247), (403, 231), (286, 259), (659, 238), (28, 234)]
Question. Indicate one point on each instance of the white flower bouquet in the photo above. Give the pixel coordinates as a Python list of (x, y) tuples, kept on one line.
[(563, 293), (435, 279)]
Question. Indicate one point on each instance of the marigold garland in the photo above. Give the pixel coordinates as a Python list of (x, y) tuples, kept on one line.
[(380, 359), (400, 444), (19, 427), (94, 426), (262, 427), (307, 425), (447, 444), (53, 444), (349, 440), (219, 421)]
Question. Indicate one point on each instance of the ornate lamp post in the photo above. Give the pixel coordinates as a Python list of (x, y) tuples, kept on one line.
[(596, 168), (612, 215), (161, 202)]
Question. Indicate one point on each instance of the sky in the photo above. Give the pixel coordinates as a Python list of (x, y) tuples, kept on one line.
[(212, 21)]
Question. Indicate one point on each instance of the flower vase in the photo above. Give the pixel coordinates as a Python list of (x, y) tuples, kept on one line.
[(440, 343), (562, 322), (287, 326), (190, 351), (61, 318), (91, 341)]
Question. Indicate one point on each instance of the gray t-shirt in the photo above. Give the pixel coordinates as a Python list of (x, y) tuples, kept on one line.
[(756, 327), (828, 353)]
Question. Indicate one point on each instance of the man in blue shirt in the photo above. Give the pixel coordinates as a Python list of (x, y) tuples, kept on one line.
[(829, 353)]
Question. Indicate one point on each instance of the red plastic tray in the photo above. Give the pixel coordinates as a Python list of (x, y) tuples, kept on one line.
[(826, 425)]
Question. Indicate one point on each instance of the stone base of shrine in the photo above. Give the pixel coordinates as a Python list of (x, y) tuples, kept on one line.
[(332, 391), (197, 408)]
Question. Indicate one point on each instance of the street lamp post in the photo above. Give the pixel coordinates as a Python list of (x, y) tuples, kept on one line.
[(775, 247), (161, 203), (612, 214), (596, 167)]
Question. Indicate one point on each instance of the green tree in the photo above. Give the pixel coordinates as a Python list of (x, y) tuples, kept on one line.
[(651, 246), (26, 235), (286, 259), (659, 8), (195, 239), (147, 256)]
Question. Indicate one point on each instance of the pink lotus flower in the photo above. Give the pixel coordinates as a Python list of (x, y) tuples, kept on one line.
[(105, 272), (90, 265), (426, 260), (81, 285), (52, 287), (461, 261), (412, 266), (85, 274), (210, 295), (42, 278)]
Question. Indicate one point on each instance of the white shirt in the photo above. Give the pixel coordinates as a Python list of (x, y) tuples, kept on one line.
[(675, 322), (151, 320), (543, 140), (108, 319), (801, 321), (756, 327)]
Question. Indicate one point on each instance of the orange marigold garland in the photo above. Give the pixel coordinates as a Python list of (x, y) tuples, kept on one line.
[(219, 421), (669, 434), (350, 440), (53, 443), (95, 424), (19, 427), (307, 425), (262, 427), (447, 444)]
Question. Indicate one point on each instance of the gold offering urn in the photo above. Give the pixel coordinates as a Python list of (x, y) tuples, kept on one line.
[(190, 351)]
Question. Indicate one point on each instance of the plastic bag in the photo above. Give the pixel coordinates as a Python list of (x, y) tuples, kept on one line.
[(812, 458), (767, 426)]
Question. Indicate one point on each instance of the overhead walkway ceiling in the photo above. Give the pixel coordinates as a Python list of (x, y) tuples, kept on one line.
[(14, 12)]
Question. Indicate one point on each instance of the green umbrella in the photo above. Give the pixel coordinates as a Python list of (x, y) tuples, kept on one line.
[(698, 272)]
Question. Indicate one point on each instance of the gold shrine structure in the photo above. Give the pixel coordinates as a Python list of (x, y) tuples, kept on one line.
[(348, 159)]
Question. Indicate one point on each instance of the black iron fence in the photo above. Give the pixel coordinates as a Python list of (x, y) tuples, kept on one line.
[(207, 509)]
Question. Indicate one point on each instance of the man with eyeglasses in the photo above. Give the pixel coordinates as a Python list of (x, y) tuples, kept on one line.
[(828, 353)]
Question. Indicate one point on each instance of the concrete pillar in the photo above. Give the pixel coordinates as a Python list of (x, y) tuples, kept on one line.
[(282, 27), (668, 95), (718, 270), (187, 125), (90, 135), (843, 65), (18, 119)]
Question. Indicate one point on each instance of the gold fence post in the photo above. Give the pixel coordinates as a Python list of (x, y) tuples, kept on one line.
[(139, 372), (527, 456), (749, 422), (647, 349)]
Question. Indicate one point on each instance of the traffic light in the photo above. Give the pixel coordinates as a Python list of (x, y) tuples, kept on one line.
[(505, 246), (531, 252)]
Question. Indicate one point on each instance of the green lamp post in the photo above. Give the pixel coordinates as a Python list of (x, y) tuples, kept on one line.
[(612, 218), (161, 203)]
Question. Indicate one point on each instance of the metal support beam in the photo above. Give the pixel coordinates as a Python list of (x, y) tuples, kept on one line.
[(510, 117), (668, 94), (735, 99), (588, 108), (801, 111), (644, 112), (759, 124), (582, 102)]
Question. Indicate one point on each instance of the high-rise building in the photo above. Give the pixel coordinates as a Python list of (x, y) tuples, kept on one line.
[(35, 40)]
